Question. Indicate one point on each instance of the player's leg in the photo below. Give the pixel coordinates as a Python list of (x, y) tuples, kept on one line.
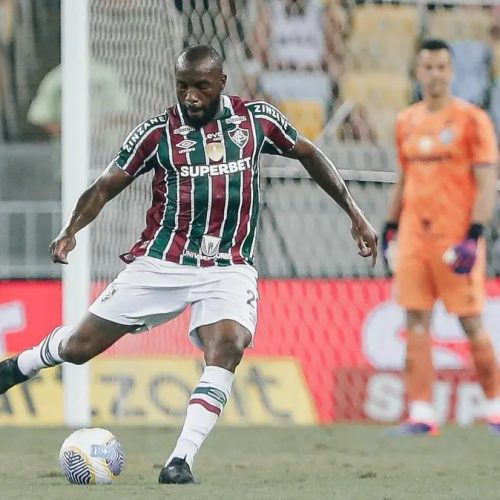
[(224, 343), (485, 363), (222, 325), (76, 345), (464, 295), (419, 371), (134, 301), (415, 292)]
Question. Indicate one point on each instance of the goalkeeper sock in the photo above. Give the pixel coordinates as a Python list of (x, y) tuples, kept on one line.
[(205, 406), (486, 365), (422, 412), (419, 371), (45, 354)]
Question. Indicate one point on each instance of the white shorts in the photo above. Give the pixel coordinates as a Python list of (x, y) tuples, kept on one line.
[(152, 291)]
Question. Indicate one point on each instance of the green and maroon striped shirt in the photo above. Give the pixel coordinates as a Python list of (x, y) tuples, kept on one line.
[(206, 181)]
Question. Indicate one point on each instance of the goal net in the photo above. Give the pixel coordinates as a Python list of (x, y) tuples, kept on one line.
[(328, 345)]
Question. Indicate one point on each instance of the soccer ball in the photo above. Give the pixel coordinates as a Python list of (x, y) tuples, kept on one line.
[(91, 456)]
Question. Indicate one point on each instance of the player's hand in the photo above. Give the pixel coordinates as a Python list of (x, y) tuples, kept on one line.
[(366, 237), (61, 246), (389, 235), (462, 257)]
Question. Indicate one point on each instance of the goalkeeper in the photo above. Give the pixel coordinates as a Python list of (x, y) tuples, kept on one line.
[(442, 201)]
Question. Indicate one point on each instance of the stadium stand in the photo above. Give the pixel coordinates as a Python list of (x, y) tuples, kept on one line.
[(382, 94), (346, 96), (460, 23), (473, 69), (375, 30)]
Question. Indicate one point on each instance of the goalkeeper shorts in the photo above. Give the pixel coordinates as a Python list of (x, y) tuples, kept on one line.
[(151, 291), (421, 277)]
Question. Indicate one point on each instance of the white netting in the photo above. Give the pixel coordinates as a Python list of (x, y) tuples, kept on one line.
[(326, 349), (341, 85), (133, 46), (340, 71)]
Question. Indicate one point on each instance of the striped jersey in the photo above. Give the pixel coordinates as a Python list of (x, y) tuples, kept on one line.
[(206, 181)]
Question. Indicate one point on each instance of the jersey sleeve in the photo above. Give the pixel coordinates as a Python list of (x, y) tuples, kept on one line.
[(279, 135), (138, 152), (482, 139)]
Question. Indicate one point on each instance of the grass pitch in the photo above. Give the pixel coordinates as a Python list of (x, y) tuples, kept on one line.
[(339, 462)]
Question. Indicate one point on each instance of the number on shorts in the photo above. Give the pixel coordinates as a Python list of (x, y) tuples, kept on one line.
[(252, 298)]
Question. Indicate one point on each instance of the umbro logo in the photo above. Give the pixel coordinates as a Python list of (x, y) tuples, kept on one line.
[(186, 144)]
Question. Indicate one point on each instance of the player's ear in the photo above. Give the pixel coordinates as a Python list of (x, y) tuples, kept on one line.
[(223, 81)]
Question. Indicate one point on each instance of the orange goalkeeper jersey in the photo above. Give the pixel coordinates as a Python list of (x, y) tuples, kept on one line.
[(438, 152)]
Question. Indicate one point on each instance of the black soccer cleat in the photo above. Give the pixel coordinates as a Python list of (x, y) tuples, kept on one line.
[(177, 472), (10, 374)]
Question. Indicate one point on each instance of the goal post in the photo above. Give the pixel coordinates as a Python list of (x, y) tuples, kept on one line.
[(75, 169)]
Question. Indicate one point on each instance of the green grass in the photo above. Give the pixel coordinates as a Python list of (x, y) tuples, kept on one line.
[(339, 462)]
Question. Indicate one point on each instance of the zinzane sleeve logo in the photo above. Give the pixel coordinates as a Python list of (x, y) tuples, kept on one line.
[(140, 147), (279, 135)]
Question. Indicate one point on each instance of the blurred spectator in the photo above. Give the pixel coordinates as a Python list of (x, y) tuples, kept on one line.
[(495, 91), (7, 110), (108, 99), (472, 62), (300, 44), (251, 84), (214, 22), (302, 35), (356, 127)]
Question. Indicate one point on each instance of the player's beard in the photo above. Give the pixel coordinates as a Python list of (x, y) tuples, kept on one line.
[(209, 113)]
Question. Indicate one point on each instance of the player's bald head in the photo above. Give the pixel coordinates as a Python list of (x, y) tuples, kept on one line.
[(199, 82), (199, 58)]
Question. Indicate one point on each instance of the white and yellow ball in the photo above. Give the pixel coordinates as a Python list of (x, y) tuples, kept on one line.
[(91, 456)]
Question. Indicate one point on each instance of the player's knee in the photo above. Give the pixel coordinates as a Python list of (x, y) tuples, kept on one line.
[(76, 351), (472, 326), (418, 321), (226, 350)]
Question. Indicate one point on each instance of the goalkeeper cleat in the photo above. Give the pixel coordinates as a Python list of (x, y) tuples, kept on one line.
[(414, 429), (177, 471), (494, 425), (10, 374)]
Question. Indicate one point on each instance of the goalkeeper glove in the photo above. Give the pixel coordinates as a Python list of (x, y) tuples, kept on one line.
[(389, 234), (462, 257)]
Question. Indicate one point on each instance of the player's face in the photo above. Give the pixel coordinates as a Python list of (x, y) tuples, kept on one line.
[(435, 72), (198, 93)]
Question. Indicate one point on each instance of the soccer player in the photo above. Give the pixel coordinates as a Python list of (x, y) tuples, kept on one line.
[(197, 247), (442, 201)]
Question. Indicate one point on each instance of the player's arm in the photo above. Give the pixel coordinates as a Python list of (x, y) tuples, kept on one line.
[(391, 224), (396, 198), (111, 182), (484, 159), (324, 172), (484, 204), (462, 256), (135, 158)]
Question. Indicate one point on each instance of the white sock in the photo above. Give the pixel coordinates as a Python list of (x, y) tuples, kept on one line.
[(492, 409), (422, 411), (205, 405), (46, 353)]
